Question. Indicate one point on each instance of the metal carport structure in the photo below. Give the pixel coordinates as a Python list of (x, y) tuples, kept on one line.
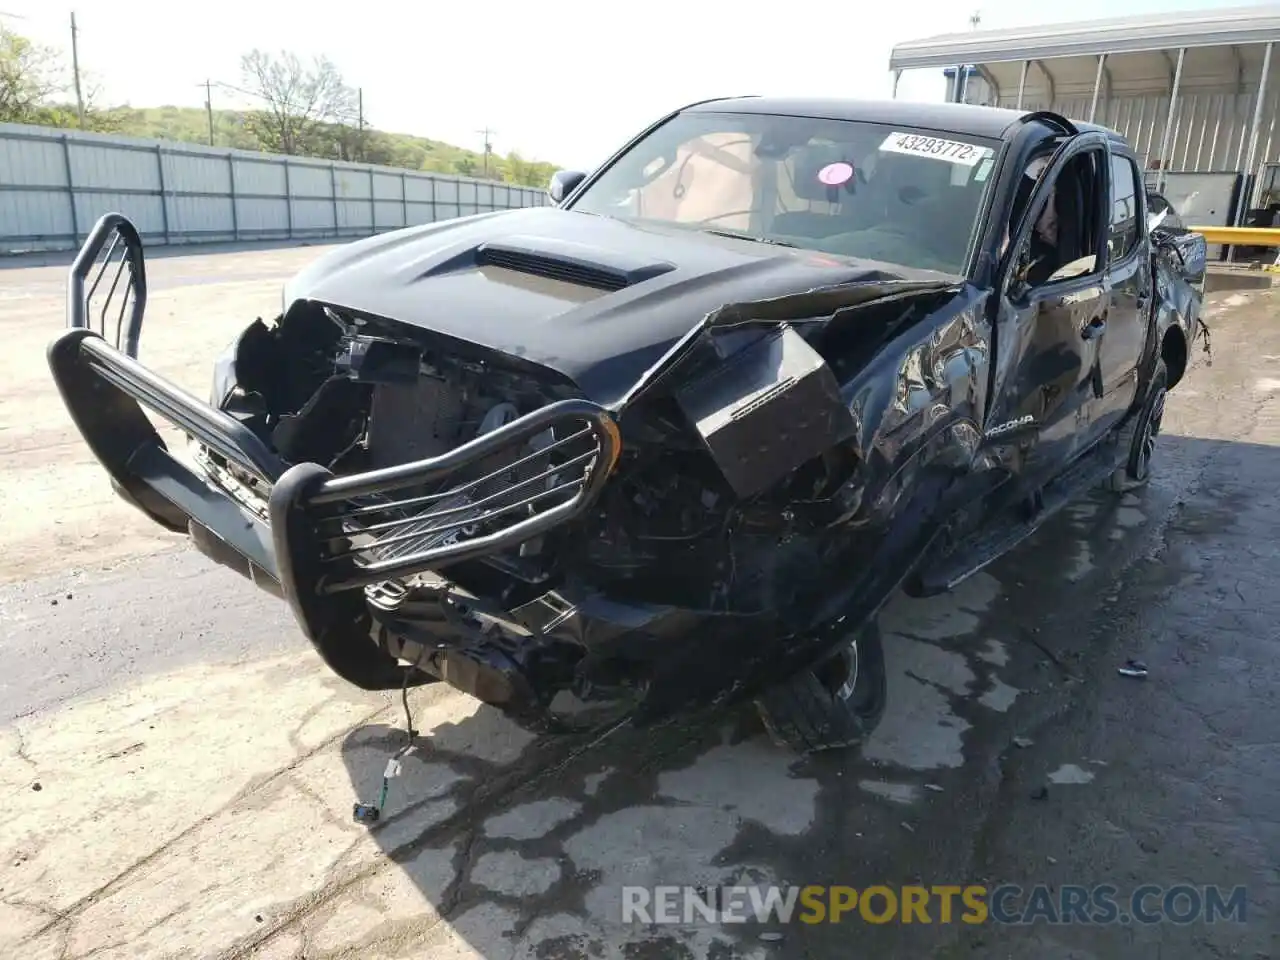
[(1192, 91)]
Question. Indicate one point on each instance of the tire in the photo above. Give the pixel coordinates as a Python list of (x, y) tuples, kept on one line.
[(819, 709), (1140, 436)]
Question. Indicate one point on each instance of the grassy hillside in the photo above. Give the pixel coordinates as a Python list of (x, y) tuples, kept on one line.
[(191, 125)]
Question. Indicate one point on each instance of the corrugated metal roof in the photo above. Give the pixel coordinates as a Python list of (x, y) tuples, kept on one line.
[(952, 117), (1145, 34)]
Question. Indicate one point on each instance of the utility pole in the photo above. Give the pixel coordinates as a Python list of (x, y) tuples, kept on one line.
[(208, 106), (75, 68), (962, 71), (488, 147), (360, 122)]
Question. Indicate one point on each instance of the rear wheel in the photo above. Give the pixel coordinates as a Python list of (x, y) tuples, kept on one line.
[(834, 705), (1140, 435)]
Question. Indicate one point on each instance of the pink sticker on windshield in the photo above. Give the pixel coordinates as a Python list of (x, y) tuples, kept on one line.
[(834, 174)]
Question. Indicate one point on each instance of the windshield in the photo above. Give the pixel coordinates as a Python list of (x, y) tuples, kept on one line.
[(894, 194)]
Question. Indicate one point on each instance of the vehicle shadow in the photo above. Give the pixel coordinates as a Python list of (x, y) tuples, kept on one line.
[(512, 846)]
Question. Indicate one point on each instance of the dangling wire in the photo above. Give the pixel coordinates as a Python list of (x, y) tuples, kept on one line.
[(370, 813)]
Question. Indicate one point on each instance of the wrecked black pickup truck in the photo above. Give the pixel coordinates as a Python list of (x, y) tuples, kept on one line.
[(674, 441)]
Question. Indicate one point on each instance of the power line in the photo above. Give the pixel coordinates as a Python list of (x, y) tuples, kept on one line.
[(356, 118), (290, 107), (287, 106)]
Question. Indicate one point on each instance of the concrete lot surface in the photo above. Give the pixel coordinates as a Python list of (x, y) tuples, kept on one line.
[(51, 491), (179, 768)]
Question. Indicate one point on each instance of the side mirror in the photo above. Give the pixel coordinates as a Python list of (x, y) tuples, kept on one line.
[(563, 183)]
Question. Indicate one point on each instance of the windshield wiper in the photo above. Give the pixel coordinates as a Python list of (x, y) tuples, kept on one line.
[(746, 236)]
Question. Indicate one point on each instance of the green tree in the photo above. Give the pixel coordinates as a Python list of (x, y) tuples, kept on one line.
[(30, 75), (34, 88), (301, 101), (97, 118), (528, 173)]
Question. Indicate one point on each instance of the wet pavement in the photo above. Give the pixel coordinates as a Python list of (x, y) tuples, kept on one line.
[(188, 806)]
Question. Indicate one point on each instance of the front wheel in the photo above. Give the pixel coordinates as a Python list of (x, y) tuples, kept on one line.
[(1141, 435), (834, 705)]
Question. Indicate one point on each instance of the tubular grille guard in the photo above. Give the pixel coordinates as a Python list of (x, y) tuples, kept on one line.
[(323, 534), (494, 493), (114, 247)]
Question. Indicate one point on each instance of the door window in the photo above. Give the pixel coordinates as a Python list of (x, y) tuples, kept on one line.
[(1064, 242), (1122, 238)]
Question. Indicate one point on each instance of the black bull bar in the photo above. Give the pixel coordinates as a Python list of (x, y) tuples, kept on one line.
[(299, 544)]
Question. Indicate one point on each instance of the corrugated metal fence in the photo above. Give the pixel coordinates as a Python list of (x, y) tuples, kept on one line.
[(55, 184)]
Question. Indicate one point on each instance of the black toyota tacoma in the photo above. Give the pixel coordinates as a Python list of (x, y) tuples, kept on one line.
[(674, 441)]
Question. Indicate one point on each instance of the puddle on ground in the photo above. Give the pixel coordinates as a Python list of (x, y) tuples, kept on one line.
[(1069, 773)]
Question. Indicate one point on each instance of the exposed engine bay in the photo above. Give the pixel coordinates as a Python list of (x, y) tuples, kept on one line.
[(725, 500)]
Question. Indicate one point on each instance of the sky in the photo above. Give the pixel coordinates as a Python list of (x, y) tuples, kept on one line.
[(568, 81)]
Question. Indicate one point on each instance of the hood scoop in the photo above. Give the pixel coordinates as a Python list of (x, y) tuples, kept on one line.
[(569, 262)]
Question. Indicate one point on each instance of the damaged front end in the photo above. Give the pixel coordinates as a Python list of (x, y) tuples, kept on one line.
[(418, 498)]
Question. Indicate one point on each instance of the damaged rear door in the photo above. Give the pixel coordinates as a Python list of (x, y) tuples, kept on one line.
[(1127, 332), (1183, 250), (1051, 314)]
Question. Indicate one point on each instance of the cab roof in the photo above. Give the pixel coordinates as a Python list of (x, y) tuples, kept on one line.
[(994, 123)]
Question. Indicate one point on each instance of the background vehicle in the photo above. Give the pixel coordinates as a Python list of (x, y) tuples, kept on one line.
[(676, 441)]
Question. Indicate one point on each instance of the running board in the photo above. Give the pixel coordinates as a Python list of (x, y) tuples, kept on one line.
[(1015, 524)]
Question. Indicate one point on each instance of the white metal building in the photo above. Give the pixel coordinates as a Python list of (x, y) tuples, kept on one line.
[(1195, 93)]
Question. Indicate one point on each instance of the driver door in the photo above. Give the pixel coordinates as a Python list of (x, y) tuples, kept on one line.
[(1047, 378)]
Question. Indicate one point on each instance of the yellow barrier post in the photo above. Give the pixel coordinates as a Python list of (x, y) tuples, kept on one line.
[(1241, 236)]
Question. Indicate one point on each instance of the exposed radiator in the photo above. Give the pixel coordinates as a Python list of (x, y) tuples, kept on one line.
[(415, 421)]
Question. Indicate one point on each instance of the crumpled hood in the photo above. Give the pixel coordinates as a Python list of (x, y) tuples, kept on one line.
[(543, 284)]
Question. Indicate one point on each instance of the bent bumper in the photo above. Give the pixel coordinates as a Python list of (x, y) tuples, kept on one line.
[(105, 392), (298, 539)]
